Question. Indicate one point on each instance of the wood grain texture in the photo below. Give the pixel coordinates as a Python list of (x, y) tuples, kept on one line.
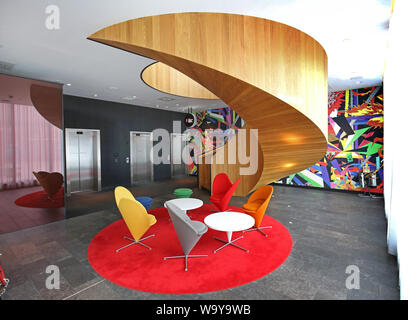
[(169, 80), (248, 182), (48, 102), (274, 76), (204, 176)]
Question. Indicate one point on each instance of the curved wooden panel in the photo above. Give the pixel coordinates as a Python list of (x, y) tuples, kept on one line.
[(169, 80), (273, 75), (248, 182), (48, 102)]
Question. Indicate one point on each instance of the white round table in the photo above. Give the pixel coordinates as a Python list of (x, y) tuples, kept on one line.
[(229, 222), (186, 203)]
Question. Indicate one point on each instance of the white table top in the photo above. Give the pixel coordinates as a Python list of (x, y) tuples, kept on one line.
[(186, 203), (229, 221)]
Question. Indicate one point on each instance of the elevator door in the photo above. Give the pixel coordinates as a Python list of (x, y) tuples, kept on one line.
[(83, 164), (141, 167), (178, 143)]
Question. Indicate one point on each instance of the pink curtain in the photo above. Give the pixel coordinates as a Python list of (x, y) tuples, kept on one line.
[(28, 143)]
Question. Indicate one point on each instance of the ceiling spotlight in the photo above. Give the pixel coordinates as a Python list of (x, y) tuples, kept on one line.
[(69, 84), (95, 95), (129, 98), (166, 99)]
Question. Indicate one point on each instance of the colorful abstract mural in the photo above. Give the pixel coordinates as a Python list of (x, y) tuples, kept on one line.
[(355, 143), (225, 119)]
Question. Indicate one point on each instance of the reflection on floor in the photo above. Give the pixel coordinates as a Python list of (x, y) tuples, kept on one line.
[(330, 231), (87, 202), (13, 217)]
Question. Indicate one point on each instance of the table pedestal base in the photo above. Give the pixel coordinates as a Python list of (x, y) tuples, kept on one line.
[(229, 242)]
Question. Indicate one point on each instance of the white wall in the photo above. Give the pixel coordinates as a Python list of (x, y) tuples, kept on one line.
[(395, 144)]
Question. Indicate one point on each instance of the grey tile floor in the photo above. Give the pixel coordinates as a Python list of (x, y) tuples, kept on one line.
[(330, 230)]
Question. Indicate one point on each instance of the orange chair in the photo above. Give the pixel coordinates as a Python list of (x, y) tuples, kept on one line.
[(256, 207)]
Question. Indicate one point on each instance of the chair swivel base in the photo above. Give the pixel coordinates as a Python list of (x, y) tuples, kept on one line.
[(258, 229), (227, 243), (136, 242), (185, 258)]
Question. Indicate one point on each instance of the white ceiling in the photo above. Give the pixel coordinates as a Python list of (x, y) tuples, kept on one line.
[(353, 32)]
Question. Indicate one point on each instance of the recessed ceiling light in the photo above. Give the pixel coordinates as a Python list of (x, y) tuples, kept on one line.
[(95, 95), (166, 99), (113, 88), (69, 84)]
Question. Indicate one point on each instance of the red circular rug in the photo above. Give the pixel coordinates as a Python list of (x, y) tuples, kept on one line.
[(40, 199), (141, 269)]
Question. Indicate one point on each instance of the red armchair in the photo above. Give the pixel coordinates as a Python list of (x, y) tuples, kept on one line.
[(222, 191)]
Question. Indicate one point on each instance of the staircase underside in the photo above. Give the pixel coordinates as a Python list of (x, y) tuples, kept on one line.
[(274, 76)]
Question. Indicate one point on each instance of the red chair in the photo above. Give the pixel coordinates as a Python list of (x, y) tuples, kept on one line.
[(222, 191)]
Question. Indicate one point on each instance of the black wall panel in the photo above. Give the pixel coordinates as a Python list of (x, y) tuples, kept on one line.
[(115, 121)]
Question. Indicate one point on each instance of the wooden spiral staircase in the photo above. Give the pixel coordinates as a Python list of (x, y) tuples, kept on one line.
[(274, 76)]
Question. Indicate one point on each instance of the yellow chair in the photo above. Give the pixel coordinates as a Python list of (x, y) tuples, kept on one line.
[(135, 216), (123, 193)]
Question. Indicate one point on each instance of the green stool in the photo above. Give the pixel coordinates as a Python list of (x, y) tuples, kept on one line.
[(183, 192)]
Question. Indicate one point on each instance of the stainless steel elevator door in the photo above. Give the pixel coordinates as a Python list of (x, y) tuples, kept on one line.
[(83, 164), (141, 145), (178, 143), (72, 158), (87, 160)]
